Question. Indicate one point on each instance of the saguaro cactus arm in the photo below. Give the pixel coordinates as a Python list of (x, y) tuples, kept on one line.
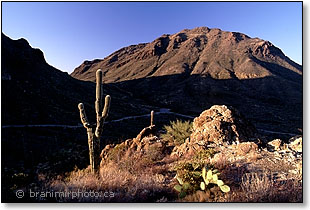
[(83, 116), (106, 108), (152, 118), (103, 116)]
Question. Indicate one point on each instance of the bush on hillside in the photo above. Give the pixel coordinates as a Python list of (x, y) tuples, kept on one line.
[(178, 131)]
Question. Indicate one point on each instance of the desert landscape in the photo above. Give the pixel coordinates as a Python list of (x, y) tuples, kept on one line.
[(202, 115)]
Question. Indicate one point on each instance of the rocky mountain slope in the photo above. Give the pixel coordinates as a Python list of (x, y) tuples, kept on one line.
[(33, 92), (201, 51), (191, 70)]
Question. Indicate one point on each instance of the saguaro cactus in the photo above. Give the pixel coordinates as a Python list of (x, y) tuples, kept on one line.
[(148, 131), (94, 131)]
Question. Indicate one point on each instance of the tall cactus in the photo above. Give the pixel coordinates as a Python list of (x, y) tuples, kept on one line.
[(94, 131)]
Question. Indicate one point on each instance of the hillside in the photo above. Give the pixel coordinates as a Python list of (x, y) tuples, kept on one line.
[(34, 92), (191, 70)]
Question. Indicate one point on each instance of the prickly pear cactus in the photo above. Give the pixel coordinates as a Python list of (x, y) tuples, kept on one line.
[(212, 177)]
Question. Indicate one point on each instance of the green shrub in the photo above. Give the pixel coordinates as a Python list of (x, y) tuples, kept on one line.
[(178, 131)]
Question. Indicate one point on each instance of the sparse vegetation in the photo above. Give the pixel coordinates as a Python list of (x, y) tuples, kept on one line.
[(177, 132), (261, 186)]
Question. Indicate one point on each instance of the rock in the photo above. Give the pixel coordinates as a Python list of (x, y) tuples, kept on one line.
[(296, 145), (145, 145), (274, 145), (246, 152), (246, 148), (185, 149), (106, 149), (145, 132), (221, 124)]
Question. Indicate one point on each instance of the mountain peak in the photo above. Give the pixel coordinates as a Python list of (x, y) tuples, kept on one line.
[(203, 51)]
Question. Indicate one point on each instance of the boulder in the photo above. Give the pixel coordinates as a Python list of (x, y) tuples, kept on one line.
[(221, 124), (274, 145)]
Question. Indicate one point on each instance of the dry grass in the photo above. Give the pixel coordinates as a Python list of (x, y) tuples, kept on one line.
[(135, 179), (264, 187), (149, 177), (131, 179), (257, 186)]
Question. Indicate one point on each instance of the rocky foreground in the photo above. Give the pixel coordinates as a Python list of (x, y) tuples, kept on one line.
[(146, 168)]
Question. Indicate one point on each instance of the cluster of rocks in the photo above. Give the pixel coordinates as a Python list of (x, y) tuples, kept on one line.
[(236, 141), (292, 151), (294, 145)]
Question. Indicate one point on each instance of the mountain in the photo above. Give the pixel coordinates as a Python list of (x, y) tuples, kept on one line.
[(33, 92), (192, 70), (201, 51)]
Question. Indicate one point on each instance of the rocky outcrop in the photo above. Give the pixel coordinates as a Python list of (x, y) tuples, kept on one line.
[(294, 145), (221, 124), (144, 145), (130, 147), (217, 126), (235, 161)]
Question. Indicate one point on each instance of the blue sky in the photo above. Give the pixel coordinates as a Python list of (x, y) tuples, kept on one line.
[(70, 32)]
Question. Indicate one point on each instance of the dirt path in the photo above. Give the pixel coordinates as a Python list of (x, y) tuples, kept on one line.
[(161, 111)]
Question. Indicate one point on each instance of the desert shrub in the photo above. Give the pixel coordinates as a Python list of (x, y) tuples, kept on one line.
[(117, 152), (186, 168), (154, 153), (256, 185), (204, 154), (178, 131), (261, 186)]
